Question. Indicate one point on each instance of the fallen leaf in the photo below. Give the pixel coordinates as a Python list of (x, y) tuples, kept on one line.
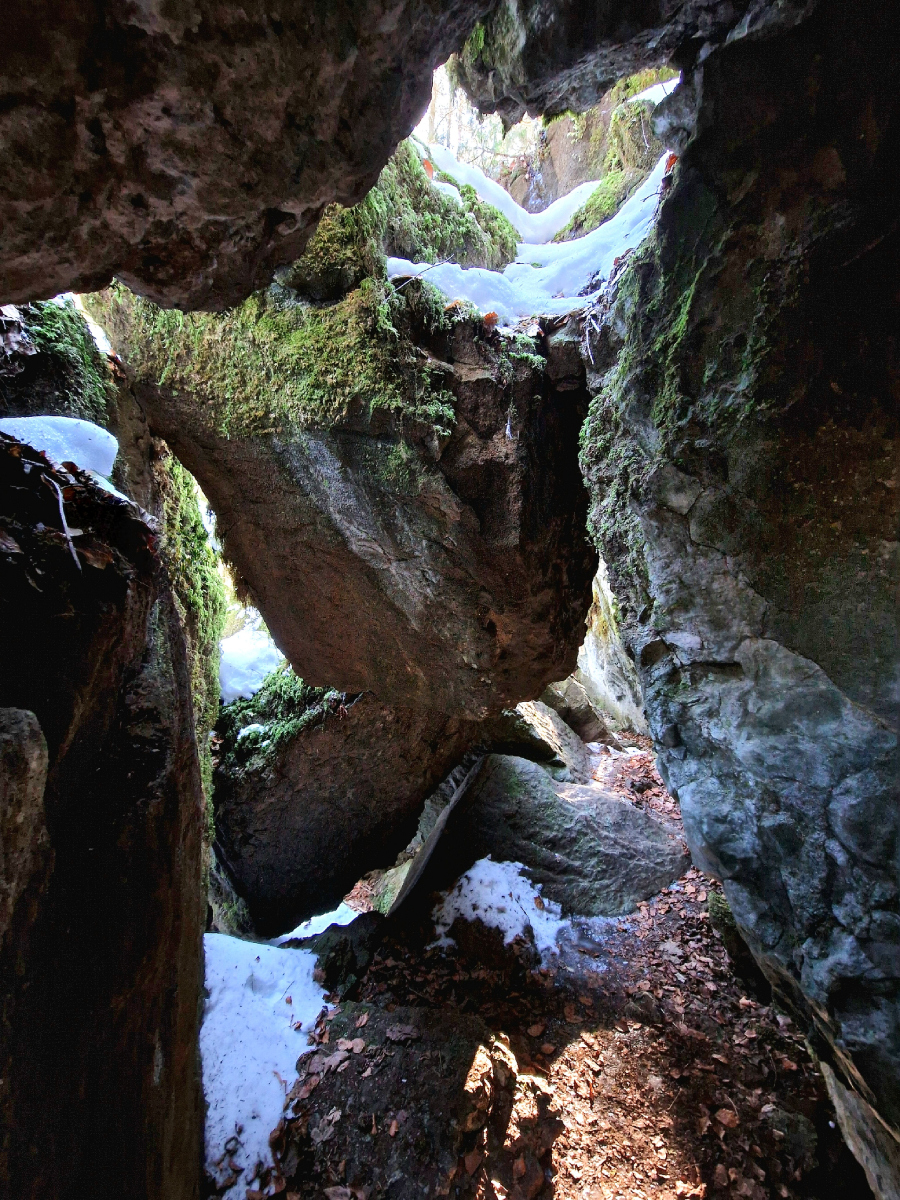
[(727, 1117), (363, 1020), (548, 1048), (394, 1126), (720, 1175), (472, 1161), (536, 1030), (402, 1033)]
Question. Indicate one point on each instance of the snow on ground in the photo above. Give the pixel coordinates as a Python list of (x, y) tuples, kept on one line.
[(657, 92), (498, 894), (549, 279), (245, 659), (261, 1001), (342, 915)]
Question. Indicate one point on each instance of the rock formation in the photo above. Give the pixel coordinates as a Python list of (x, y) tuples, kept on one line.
[(741, 451), (379, 541), (102, 949), (102, 903), (190, 150)]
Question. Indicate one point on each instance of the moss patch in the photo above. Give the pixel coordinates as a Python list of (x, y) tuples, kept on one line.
[(199, 594), (68, 376), (403, 215), (284, 706), (273, 365)]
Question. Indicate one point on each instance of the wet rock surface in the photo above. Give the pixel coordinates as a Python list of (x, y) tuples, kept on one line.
[(190, 150)]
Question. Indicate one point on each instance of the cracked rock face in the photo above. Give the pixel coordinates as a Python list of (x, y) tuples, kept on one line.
[(189, 148), (741, 450)]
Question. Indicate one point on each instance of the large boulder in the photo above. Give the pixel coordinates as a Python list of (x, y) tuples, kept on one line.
[(300, 816), (395, 483), (742, 451), (189, 149), (594, 854)]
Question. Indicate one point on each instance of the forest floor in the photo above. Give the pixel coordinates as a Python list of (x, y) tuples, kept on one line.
[(671, 1076)]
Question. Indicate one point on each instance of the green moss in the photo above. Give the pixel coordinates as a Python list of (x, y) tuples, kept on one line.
[(68, 376), (199, 594), (276, 366), (284, 705), (604, 202), (403, 215)]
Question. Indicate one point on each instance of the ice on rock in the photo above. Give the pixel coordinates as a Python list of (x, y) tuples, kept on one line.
[(66, 439), (260, 1003), (245, 659), (547, 279)]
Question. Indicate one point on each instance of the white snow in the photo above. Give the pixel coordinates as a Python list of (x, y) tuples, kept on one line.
[(448, 190), (245, 659), (250, 1040), (549, 279), (342, 915), (248, 729), (499, 894), (532, 227), (66, 439), (657, 92)]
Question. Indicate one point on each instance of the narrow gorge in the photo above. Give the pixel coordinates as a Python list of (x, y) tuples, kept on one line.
[(449, 544)]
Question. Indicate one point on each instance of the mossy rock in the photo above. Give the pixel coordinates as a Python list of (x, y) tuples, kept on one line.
[(67, 375), (403, 215)]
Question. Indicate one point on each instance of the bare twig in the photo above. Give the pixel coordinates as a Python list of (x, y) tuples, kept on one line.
[(62, 517)]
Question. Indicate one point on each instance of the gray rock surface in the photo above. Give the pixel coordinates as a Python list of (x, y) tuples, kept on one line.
[(742, 452), (570, 701), (459, 584), (605, 669), (595, 854)]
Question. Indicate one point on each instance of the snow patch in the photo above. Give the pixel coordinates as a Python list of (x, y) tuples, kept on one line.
[(447, 189), (245, 659), (551, 279), (250, 1040), (66, 439), (656, 93), (248, 729), (342, 915), (499, 895)]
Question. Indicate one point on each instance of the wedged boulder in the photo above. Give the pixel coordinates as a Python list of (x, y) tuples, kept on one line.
[(595, 854), (104, 867), (401, 500), (535, 731), (571, 702), (353, 1105), (741, 452), (301, 814)]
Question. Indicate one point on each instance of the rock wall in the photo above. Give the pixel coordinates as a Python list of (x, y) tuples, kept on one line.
[(101, 953), (101, 903), (741, 451)]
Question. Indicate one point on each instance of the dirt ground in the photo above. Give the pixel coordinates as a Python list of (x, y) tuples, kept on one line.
[(670, 1077)]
